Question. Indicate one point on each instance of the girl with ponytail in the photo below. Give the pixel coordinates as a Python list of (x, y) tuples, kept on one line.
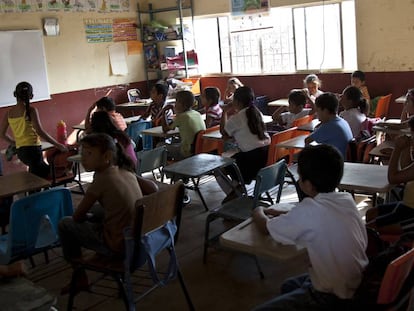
[(27, 130), (249, 131)]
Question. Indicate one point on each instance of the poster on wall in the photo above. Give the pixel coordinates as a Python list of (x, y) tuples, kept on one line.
[(98, 30), (124, 29), (240, 7)]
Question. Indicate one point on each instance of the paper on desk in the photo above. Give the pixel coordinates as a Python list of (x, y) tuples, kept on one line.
[(117, 57)]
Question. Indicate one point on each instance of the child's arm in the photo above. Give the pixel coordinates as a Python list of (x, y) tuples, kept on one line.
[(223, 121), (3, 130), (276, 116), (42, 133), (84, 206), (147, 112), (260, 218), (164, 121)]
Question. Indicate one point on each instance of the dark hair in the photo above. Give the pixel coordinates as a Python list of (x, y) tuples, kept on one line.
[(186, 98), (213, 94), (245, 96), (162, 89), (354, 94), (24, 92), (327, 101), (101, 122), (106, 103), (104, 143), (312, 78), (358, 74), (322, 165), (297, 97)]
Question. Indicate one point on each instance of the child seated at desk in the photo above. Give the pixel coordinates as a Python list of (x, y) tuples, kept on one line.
[(115, 187), (358, 80), (355, 109), (189, 123), (210, 99), (332, 130), (397, 217), (105, 104), (284, 116), (158, 96), (248, 130), (327, 223), (312, 89)]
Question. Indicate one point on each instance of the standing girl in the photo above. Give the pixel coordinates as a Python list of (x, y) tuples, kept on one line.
[(249, 131), (24, 122), (355, 108), (210, 99)]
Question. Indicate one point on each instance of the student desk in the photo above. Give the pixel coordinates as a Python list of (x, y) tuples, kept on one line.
[(297, 142), (283, 102), (401, 99), (309, 127), (46, 145), (21, 182), (158, 132), (362, 177), (195, 167), (246, 237)]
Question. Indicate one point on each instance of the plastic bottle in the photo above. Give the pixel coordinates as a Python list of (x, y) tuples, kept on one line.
[(61, 133)]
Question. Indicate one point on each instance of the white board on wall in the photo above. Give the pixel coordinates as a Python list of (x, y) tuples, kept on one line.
[(22, 58)]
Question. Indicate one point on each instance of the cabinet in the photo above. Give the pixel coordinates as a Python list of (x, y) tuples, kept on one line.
[(160, 42)]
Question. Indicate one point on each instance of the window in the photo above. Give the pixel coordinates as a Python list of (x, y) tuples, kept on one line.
[(319, 37)]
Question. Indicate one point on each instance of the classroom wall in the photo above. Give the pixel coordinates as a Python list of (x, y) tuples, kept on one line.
[(79, 72)]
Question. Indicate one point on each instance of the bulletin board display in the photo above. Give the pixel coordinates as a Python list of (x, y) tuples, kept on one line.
[(22, 58)]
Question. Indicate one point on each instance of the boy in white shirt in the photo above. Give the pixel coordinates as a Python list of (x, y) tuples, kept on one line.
[(328, 225), (297, 101)]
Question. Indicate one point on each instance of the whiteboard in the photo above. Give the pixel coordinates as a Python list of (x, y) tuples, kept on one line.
[(22, 58)]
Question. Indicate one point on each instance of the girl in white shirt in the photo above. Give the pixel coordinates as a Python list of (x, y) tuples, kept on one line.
[(355, 108)]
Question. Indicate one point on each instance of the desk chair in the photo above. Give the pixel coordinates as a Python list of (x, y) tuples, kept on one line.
[(133, 95), (275, 153), (383, 103), (240, 209), (150, 160), (302, 121), (158, 216), (34, 224), (63, 172), (134, 132), (203, 145)]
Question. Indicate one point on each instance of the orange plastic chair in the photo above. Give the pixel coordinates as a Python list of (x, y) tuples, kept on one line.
[(383, 104), (394, 279), (302, 121), (208, 145), (276, 153)]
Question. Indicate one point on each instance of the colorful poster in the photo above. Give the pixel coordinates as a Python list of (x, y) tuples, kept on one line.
[(7, 6), (98, 30), (124, 29), (239, 7)]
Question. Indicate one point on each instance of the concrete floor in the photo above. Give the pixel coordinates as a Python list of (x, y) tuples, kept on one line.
[(228, 281)]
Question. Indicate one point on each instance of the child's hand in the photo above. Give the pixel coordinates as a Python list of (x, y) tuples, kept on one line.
[(272, 212)]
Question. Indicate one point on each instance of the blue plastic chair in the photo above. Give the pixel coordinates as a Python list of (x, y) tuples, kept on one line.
[(134, 131), (150, 160), (34, 224)]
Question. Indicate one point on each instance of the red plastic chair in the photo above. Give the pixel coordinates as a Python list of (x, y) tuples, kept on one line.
[(383, 104), (276, 153)]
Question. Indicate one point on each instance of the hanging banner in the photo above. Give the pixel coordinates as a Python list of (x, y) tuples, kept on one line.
[(240, 7)]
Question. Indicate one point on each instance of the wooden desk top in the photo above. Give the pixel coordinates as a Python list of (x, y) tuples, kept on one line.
[(279, 102), (158, 132), (247, 238), (215, 135), (21, 182), (293, 143), (309, 127), (198, 165), (369, 178), (383, 150)]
